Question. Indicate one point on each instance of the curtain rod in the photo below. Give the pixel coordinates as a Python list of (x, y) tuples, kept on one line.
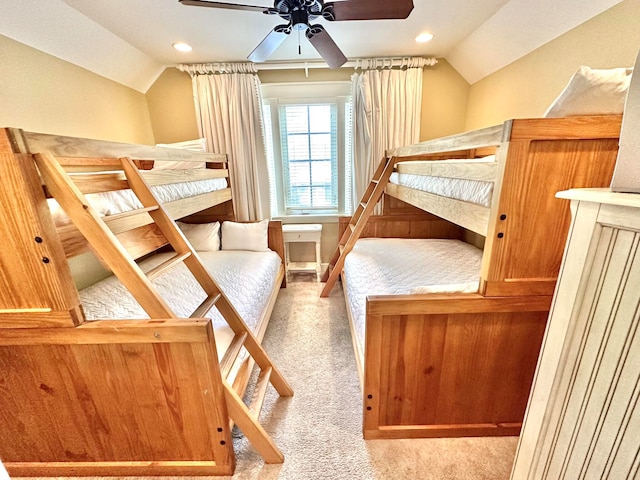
[(388, 63)]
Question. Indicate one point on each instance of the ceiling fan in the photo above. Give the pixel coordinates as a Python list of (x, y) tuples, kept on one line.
[(299, 14)]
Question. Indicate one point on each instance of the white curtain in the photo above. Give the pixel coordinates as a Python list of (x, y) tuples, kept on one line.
[(228, 110), (387, 103)]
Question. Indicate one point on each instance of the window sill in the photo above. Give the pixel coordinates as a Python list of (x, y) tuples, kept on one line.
[(326, 218)]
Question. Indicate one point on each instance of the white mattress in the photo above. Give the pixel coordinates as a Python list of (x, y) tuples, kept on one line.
[(395, 266), (246, 278), (472, 191), (114, 202)]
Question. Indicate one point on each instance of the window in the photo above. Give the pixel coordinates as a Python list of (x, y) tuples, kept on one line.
[(309, 139), (308, 148)]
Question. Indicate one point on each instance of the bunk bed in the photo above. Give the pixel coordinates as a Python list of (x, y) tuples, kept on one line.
[(447, 334), (142, 373)]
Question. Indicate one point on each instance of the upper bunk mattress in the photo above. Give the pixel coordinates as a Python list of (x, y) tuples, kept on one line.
[(119, 201), (246, 278), (473, 191), (396, 266)]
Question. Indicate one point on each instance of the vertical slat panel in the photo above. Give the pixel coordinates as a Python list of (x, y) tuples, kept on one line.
[(591, 435)]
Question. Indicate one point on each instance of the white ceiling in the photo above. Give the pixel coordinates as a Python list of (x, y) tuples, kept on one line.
[(129, 41)]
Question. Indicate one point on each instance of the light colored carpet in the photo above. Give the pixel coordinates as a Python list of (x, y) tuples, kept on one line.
[(319, 429)]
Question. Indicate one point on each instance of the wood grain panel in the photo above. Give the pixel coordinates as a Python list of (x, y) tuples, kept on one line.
[(35, 273), (142, 240), (96, 332), (141, 403), (577, 128), (529, 242), (449, 374), (422, 225)]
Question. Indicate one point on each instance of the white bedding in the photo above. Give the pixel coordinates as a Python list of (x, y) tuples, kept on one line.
[(472, 191), (247, 278), (114, 202), (395, 266)]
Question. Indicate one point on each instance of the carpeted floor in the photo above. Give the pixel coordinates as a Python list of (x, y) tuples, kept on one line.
[(319, 429)]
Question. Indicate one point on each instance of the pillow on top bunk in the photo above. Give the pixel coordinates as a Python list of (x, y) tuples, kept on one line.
[(245, 236), (198, 145), (593, 92), (203, 237)]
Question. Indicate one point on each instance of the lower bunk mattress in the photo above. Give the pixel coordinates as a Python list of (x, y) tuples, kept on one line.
[(398, 266), (247, 279)]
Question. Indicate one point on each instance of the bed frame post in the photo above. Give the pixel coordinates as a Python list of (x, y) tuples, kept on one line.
[(36, 287)]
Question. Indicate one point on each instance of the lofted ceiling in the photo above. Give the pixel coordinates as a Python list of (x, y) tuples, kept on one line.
[(129, 41)]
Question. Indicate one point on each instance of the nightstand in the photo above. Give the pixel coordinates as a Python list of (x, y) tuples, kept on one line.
[(302, 233)]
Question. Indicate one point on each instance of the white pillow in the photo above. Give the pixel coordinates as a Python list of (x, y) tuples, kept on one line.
[(203, 237), (199, 145), (469, 287), (593, 92), (245, 236)]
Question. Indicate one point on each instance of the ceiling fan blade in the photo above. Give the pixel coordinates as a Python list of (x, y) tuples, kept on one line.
[(367, 10), (229, 6), (270, 43), (325, 46)]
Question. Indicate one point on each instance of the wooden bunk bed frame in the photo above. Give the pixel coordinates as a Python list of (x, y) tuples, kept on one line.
[(115, 397), (454, 364)]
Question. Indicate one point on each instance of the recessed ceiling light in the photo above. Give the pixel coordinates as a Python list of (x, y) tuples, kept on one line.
[(181, 46), (424, 37)]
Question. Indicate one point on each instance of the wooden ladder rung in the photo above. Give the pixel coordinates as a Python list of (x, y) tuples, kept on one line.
[(375, 181), (352, 227), (206, 306), (341, 247), (131, 213), (232, 353), (259, 393), (164, 266)]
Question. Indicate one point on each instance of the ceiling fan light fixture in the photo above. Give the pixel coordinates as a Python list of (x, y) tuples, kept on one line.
[(181, 46), (424, 37)]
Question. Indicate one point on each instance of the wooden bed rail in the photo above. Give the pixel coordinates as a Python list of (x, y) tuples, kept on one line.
[(532, 129), (449, 364), (70, 147)]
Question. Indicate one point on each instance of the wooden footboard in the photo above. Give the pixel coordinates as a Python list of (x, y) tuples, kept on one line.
[(114, 398), (449, 365)]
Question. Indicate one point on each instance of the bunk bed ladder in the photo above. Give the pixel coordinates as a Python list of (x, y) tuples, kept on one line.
[(107, 246), (359, 219)]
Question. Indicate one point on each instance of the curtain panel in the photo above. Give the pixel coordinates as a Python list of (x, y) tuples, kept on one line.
[(387, 105), (228, 111)]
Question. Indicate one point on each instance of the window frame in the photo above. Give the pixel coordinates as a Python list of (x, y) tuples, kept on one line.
[(321, 93)]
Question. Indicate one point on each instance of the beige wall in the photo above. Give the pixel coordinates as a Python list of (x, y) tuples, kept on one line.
[(171, 107), (528, 86), (42, 93), (444, 101)]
